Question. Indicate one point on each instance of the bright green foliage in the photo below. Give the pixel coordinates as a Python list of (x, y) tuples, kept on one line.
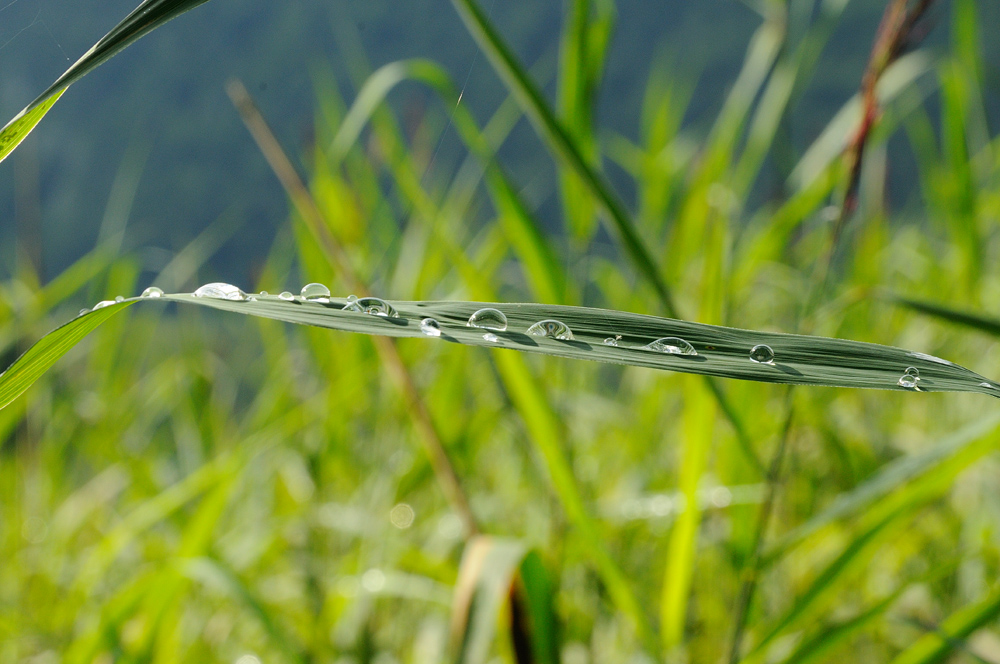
[(188, 485)]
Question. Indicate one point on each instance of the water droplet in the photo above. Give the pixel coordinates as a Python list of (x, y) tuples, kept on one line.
[(612, 341), (84, 311), (119, 299), (488, 319), (912, 371), (492, 338), (219, 291), (762, 354), (671, 345), (102, 304), (316, 293), (286, 296), (152, 291), (263, 293), (352, 298), (992, 387), (908, 381), (551, 328), (430, 327), (371, 305)]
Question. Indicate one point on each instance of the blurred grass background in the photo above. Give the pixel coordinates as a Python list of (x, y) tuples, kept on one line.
[(208, 488)]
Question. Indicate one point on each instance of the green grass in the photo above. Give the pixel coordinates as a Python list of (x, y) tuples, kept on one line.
[(185, 484)]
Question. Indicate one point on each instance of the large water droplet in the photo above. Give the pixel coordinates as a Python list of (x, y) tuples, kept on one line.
[(671, 345), (762, 354), (152, 291), (488, 319), (286, 296), (371, 305), (316, 293), (613, 341), (551, 328), (102, 304), (220, 291), (492, 338), (430, 327), (908, 381)]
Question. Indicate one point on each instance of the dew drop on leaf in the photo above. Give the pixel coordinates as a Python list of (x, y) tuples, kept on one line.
[(672, 346), (762, 354), (551, 328), (430, 327), (488, 319), (315, 293), (220, 291)]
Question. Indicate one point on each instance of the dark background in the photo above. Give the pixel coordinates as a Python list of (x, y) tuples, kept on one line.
[(160, 105)]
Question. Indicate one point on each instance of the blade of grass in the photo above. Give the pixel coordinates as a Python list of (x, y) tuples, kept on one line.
[(976, 437), (487, 580), (145, 18), (721, 351), (959, 625), (977, 321)]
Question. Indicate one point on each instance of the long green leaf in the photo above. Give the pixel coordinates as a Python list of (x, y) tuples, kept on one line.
[(978, 321), (720, 351), (959, 625), (36, 361), (148, 16)]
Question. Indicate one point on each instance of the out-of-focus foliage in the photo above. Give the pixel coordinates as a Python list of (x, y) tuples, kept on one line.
[(193, 486)]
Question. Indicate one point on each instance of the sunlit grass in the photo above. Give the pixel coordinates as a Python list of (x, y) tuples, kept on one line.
[(191, 485)]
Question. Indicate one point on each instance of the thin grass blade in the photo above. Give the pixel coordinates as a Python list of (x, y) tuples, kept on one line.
[(600, 335), (145, 18)]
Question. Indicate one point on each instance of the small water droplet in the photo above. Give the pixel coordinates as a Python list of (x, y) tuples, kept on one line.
[(220, 291), (908, 381), (430, 327), (286, 296), (671, 345), (119, 299), (84, 311), (102, 304), (315, 293), (762, 354), (488, 319), (912, 371), (551, 328), (612, 341), (371, 305), (492, 338), (992, 387), (251, 298), (152, 291), (263, 293), (352, 298)]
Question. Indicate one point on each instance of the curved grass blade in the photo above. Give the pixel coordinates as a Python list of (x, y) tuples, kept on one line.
[(936, 646), (601, 335), (969, 319), (43, 354), (145, 18), (957, 451)]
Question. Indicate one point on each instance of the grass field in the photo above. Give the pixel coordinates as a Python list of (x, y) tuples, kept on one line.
[(189, 485)]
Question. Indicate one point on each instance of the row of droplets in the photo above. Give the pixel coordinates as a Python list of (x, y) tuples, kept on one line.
[(488, 318)]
